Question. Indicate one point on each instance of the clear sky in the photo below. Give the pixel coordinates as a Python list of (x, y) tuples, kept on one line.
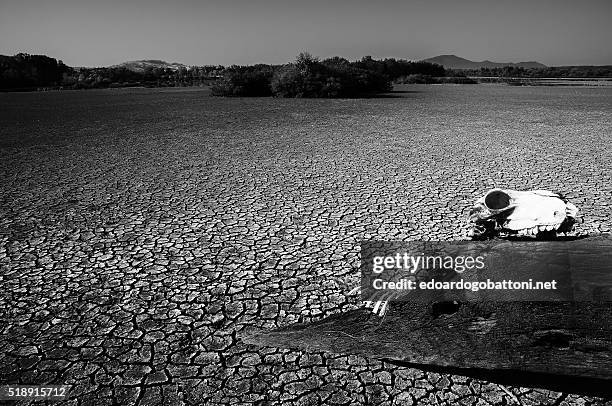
[(107, 32)]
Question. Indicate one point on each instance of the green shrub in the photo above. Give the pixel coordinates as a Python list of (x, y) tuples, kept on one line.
[(308, 77), (244, 81)]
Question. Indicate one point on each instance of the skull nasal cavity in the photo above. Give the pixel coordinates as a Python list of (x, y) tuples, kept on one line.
[(497, 200)]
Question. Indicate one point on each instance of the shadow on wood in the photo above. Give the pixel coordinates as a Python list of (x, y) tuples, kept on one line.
[(558, 346), (562, 346)]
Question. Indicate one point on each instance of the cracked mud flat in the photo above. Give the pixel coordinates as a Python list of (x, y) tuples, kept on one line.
[(143, 231)]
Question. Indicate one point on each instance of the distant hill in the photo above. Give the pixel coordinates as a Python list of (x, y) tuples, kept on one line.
[(140, 66), (455, 62)]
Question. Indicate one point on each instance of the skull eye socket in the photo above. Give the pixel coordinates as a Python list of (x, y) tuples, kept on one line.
[(497, 200)]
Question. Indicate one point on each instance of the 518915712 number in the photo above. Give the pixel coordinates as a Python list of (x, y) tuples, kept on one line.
[(25, 392)]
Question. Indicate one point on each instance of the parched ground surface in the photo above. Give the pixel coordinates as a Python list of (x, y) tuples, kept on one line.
[(142, 232)]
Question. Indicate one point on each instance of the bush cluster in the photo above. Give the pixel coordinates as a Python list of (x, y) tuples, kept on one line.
[(397, 68), (24, 71), (245, 81), (306, 77)]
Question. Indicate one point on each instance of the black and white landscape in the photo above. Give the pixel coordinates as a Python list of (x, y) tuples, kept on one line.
[(170, 194)]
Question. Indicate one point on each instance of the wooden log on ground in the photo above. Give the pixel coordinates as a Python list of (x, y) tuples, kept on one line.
[(564, 346)]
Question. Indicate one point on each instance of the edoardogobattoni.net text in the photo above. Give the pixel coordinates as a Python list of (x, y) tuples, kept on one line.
[(506, 284)]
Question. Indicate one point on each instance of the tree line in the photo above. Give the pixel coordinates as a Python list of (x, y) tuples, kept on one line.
[(307, 76), (604, 71), (24, 71), (31, 72)]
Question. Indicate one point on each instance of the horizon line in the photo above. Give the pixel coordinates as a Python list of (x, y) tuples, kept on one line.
[(283, 63)]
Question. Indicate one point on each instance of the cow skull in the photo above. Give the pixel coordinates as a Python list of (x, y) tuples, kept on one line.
[(512, 212)]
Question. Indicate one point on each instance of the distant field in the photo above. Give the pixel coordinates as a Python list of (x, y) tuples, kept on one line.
[(143, 230)]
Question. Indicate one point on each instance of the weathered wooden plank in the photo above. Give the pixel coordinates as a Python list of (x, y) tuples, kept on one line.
[(570, 342), (559, 345)]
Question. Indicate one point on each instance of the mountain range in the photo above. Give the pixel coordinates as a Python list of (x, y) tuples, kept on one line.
[(455, 62), (448, 61)]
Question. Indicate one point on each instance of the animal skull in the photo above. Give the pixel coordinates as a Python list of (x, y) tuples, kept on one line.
[(513, 212)]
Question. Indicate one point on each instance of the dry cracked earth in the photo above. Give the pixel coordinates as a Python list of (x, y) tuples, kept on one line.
[(143, 232)]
